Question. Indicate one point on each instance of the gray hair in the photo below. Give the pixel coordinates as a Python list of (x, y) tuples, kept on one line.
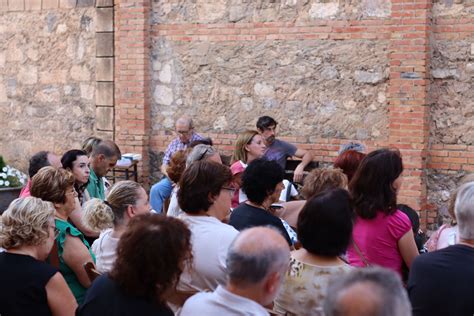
[(351, 146), (393, 297), (200, 152), (464, 209), (251, 268)]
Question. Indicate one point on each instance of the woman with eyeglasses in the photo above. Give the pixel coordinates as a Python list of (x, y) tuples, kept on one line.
[(28, 285), (205, 195), (72, 251)]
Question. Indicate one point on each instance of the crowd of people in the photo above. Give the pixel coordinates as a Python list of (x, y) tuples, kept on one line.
[(243, 239)]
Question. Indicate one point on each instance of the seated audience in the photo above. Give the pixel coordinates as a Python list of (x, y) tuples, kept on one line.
[(103, 158), (382, 234), (262, 183), (150, 256), (447, 234), (367, 292), (256, 263), (442, 282), (324, 230), (28, 285), (199, 152), (248, 147), (205, 196), (77, 162), (317, 181), (174, 170), (348, 162), (37, 161), (57, 186), (125, 200)]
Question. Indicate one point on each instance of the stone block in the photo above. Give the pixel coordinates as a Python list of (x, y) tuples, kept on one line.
[(17, 5), (80, 73), (104, 44), (32, 4), (105, 69), (104, 3), (85, 3), (104, 118), (28, 75), (104, 134), (50, 4), (67, 4), (3, 5), (55, 76), (104, 93), (105, 20)]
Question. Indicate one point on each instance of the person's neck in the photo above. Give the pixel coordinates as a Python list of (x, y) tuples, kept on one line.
[(466, 242), (250, 293), (118, 230), (313, 259), (25, 250), (265, 204), (59, 214)]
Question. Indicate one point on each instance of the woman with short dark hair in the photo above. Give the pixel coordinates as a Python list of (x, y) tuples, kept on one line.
[(382, 234), (205, 196), (150, 257), (324, 229), (262, 182)]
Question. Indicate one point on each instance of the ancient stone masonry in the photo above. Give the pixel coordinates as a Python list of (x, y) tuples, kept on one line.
[(47, 68)]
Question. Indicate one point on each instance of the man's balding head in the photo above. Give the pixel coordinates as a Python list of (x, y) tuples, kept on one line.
[(257, 255), (368, 292), (184, 128)]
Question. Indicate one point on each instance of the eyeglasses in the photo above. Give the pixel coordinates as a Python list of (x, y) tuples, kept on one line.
[(231, 190), (184, 133)]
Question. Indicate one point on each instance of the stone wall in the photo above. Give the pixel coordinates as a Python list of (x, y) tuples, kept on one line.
[(47, 78)]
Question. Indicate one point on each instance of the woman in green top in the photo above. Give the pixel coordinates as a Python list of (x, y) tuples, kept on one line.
[(57, 186)]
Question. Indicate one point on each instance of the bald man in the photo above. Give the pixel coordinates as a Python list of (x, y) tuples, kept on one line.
[(256, 262), (103, 158), (185, 135), (367, 292)]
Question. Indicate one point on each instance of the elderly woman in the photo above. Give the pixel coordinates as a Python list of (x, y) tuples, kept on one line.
[(205, 195), (382, 234), (125, 200), (57, 186), (262, 182), (150, 257), (324, 230), (248, 147), (28, 285), (317, 181)]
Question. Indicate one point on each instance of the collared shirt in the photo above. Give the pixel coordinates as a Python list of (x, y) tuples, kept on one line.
[(95, 187), (176, 145), (222, 302)]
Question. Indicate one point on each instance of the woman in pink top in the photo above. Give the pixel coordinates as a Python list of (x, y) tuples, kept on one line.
[(382, 234)]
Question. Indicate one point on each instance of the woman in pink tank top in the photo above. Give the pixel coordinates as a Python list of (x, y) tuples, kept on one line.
[(382, 234)]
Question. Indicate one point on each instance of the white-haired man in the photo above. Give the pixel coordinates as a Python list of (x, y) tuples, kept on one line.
[(442, 282)]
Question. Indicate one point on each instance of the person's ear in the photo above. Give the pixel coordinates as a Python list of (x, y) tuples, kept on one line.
[(272, 283), (101, 157), (130, 211), (211, 198), (246, 147)]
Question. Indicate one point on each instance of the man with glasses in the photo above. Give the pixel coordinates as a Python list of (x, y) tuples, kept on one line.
[(279, 150), (184, 130)]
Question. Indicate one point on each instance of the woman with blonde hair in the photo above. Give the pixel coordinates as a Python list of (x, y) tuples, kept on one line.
[(28, 285), (57, 186), (317, 181), (248, 147), (125, 200)]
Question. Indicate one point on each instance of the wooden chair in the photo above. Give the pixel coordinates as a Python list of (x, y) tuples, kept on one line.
[(92, 273)]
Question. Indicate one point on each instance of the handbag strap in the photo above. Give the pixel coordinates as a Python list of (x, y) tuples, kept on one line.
[(361, 255)]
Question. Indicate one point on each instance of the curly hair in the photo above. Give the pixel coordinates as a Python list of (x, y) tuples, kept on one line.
[(99, 215), (349, 161), (372, 186), (321, 179), (50, 184), (260, 179), (200, 181), (26, 222), (176, 166), (243, 139), (150, 255)]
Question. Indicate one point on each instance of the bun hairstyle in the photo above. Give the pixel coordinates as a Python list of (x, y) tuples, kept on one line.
[(99, 215)]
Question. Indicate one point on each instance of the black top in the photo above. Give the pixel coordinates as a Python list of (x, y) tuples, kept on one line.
[(105, 297), (442, 282), (246, 216), (22, 285)]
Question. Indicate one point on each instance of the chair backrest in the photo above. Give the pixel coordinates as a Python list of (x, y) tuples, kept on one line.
[(92, 273)]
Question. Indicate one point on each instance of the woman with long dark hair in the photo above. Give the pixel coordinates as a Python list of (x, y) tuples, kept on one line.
[(382, 234)]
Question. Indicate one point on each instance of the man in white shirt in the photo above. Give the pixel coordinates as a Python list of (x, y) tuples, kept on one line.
[(256, 263)]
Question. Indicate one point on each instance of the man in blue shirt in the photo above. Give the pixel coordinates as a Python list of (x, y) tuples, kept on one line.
[(280, 150)]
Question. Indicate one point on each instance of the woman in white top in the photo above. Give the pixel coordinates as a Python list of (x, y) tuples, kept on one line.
[(125, 200), (205, 195)]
